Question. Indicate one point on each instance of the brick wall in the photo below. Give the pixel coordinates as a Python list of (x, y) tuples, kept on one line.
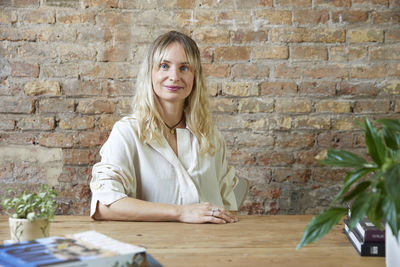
[(287, 79)]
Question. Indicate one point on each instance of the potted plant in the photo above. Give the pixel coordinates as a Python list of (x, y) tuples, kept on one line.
[(372, 188), (30, 213)]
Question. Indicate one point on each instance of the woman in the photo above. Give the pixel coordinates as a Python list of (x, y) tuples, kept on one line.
[(166, 162)]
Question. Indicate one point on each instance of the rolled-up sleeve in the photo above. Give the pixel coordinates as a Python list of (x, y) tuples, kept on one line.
[(113, 177)]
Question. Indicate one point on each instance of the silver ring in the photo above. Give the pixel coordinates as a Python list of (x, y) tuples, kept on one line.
[(214, 210)]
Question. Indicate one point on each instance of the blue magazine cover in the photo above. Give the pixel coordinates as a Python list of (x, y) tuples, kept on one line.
[(83, 249)]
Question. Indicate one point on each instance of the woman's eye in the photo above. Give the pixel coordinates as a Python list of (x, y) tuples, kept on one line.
[(184, 68), (163, 66)]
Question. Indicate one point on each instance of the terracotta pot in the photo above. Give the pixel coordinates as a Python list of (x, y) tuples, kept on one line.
[(24, 230), (392, 248)]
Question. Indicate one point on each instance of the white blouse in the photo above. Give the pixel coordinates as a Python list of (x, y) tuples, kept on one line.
[(153, 172)]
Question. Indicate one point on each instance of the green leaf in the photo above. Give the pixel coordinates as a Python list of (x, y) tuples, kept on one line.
[(390, 123), (375, 213), (375, 145), (343, 159), (350, 179), (359, 208), (392, 185), (361, 187), (392, 139), (391, 216), (321, 224)]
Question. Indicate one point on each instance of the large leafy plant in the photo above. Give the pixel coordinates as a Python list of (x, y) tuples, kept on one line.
[(31, 206), (371, 187)]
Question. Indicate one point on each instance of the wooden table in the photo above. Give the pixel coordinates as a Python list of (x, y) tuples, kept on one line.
[(253, 241)]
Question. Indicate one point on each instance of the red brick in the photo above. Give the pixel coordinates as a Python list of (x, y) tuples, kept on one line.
[(344, 123), (216, 70), (325, 71), (249, 36), (17, 138), (211, 36), (256, 105), (312, 122), (75, 87), (24, 69), (288, 71), (278, 88), (271, 52), (88, 34), (115, 53), (114, 70), (233, 17), (276, 17), (368, 72), (324, 175), (371, 2), (38, 52), (76, 122), (350, 16), (8, 16), (372, 106), (306, 157), (317, 88), (250, 70), (207, 54), (394, 69), (57, 33), (275, 158), (232, 53), (309, 53), (311, 16), (392, 35), (241, 157), (295, 140), (358, 89), (292, 175), (63, 140), (17, 34), (334, 106), (294, 3), (222, 104), (106, 122), (91, 139), (111, 18), (100, 3), (64, 70), (92, 106), (16, 105), (75, 17), (385, 53), (253, 3), (78, 156), (333, 3), (335, 139), (348, 53), (365, 35), (240, 89), (42, 123), (385, 17)]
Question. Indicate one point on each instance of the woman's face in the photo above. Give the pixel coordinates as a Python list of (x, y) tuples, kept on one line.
[(173, 78)]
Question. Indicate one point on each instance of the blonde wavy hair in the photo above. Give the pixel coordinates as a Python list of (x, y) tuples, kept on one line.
[(196, 110)]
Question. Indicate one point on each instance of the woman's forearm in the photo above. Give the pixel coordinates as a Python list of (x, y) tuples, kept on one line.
[(132, 209)]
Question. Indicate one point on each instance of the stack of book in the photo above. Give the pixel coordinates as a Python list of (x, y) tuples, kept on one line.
[(368, 239)]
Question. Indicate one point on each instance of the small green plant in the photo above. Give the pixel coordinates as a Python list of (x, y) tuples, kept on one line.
[(371, 188), (31, 206)]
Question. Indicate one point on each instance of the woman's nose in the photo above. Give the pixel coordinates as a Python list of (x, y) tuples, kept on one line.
[(174, 74)]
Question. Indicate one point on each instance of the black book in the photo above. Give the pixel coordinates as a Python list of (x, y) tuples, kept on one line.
[(376, 249), (369, 232)]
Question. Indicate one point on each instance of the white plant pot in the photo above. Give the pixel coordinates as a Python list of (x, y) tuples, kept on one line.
[(392, 248), (24, 230)]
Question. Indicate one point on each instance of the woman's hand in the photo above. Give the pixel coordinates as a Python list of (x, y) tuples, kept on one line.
[(205, 212)]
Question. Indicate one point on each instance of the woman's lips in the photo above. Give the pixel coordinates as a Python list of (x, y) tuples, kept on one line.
[(173, 88)]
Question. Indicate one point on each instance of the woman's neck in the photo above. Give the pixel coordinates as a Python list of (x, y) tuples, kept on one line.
[(171, 113)]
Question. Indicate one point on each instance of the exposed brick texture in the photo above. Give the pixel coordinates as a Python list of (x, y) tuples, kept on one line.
[(287, 79)]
